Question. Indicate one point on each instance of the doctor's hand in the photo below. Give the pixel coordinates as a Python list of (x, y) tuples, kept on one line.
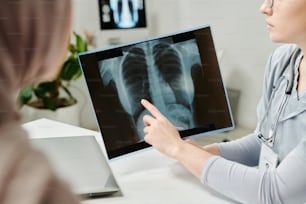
[(25, 174), (160, 132)]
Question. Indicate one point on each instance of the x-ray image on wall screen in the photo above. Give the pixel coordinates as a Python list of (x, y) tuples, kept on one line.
[(122, 14), (178, 73)]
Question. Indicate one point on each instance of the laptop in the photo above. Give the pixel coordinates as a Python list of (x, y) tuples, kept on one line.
[(79, 161), (178, 72)]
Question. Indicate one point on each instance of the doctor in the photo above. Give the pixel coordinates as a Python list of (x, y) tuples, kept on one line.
[(278, 144)]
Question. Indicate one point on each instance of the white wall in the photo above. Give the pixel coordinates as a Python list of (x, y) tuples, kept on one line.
[(239, 32)]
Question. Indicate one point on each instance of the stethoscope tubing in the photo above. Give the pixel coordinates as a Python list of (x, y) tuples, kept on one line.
[(290, 82)]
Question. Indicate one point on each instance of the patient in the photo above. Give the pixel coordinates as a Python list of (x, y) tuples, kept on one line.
[(34, 37)]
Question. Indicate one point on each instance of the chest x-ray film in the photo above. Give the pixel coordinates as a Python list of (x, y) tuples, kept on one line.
[(178, 73)]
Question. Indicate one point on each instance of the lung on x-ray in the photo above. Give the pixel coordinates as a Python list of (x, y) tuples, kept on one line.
[(178, 73)]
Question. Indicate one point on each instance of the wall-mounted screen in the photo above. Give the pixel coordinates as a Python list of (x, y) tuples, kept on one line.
[(122, 14)]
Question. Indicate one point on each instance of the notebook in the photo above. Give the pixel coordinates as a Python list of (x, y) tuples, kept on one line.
[(178, 72), (79, 161)]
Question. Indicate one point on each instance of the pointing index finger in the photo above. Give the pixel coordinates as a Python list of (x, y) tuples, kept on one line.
[(151, 108)]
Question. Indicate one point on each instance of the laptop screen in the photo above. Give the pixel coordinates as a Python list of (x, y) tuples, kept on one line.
[(178, 73)]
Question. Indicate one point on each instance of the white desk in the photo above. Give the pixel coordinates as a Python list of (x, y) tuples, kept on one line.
[(145, 177)]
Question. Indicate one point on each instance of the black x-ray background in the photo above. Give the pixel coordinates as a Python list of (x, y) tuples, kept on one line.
[(179, 74)]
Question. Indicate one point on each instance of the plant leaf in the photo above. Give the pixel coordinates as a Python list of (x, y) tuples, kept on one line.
[(81, 45), (71, 70), (50, 104), (46, 89), (25, 95)]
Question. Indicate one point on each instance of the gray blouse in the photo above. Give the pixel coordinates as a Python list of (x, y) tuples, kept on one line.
[(281, 116)]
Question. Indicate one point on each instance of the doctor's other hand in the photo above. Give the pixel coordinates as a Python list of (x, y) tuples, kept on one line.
[(160, 132)]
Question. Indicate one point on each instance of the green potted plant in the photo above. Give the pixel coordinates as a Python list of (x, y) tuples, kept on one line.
[(54, 99), (55, 94)]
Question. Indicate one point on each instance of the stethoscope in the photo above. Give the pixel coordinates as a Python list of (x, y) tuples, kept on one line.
[(290, 82)]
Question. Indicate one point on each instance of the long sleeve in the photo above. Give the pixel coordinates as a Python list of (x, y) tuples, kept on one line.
[(245, 150), (285, 184)]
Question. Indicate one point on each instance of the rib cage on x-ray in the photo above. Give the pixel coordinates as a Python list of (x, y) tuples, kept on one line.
[(157, 71)]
